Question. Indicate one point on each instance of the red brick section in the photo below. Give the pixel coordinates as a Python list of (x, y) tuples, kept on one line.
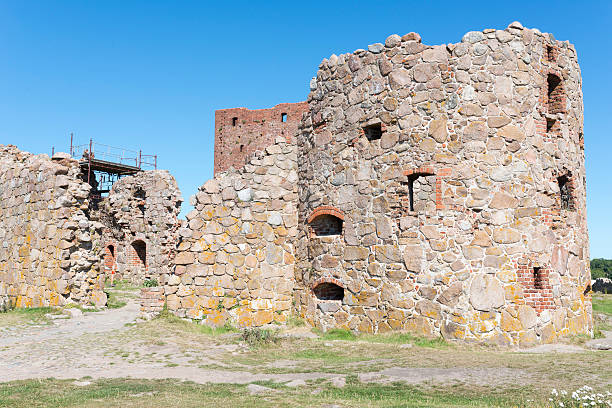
[(325, 221), (152, 300), (430, 171), (420, 171), (239, 132), (137, 254), (326, 280), (325, 209), (109, 259), (537, 289)]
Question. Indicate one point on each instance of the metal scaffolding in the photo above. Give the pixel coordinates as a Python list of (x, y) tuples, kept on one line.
[(104, 164)]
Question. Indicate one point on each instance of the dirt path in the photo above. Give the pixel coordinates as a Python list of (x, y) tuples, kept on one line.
[(107, 345)]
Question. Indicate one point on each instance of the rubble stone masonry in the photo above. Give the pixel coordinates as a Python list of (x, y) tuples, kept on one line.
[(433, 189), (235, 260), (49, 249), (457, 175), (140, 215)]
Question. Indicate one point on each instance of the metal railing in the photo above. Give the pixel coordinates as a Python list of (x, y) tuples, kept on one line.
[(112, 154)]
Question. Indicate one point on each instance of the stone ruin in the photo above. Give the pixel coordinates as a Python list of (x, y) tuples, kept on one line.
[(432, 189), (49, 249), (140, 217)]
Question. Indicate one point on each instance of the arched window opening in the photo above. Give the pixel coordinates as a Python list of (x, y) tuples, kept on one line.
[(326, 225), (109, 258), (140, 252), (329, 291), (555, 94), (234, 121)]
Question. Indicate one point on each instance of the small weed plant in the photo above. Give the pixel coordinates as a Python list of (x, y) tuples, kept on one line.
[(150, 283), (6, 305), (258, 337)]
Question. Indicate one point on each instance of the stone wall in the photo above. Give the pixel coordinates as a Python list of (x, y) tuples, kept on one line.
[(235, 260), (49, 249), (140, 216), (239, 132), (457, 172)]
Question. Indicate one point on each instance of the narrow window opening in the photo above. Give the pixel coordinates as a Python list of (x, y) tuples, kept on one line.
[(241, 148), (326, 225), (329, 291), (420, 191), (550, 126), (538, 279), (234, 121), (109, 258), (141, 195), (555, 94), (373, 132), (565, 192), (283, 117), (550, 53), (411, 192), (140, 248)]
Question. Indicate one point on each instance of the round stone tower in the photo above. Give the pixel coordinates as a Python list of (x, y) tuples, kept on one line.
[(442, 190)]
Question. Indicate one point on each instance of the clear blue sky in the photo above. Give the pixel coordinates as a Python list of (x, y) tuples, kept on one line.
[(150, 74)]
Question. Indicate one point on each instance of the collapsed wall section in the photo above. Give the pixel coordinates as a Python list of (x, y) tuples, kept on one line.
[(239, 132), (140, 217), (442, 190), (235, 259), (49, 249)]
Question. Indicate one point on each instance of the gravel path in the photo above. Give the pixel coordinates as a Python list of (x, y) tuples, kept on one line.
[(99, 345)]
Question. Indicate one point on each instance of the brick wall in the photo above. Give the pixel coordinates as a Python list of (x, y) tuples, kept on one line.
[(537, 289), (109, 258), (239, 132), (151, 301)]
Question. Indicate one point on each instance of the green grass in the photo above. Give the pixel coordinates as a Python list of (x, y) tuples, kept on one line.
[(32, 315), (395, 338), (50, 393), (339, 334), (80, 307), (113, 300), (602, 304), (121, 284), (189, 326), (294, 321)]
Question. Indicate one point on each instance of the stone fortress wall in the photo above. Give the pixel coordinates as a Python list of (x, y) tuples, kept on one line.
[(456, 174), (436, 189), (239, 132), (140, 217), (49, 249), (235, 260)]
